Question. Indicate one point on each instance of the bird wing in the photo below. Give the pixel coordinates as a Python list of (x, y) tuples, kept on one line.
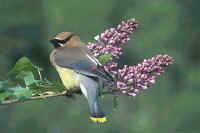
[(81, 61)]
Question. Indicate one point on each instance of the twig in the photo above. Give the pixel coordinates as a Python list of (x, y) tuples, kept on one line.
[(40, 74), (31, 98), (64, 93)]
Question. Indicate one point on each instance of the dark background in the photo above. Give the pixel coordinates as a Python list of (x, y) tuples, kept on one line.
[(166, 27)]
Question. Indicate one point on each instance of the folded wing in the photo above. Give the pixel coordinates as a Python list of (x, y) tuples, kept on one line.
[(81, 61)]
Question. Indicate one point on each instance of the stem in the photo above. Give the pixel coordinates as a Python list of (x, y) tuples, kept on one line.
[(31, 98), (40, 74), (43, 97)]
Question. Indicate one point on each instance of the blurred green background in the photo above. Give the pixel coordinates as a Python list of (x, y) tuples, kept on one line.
[(166, 27)]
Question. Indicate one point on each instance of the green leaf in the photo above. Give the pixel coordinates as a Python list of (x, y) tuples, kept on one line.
[(4, 95), (39, 87), (1, 84), (105, 58), (23, 64), (115, 102), (4, 85), (21, 93), (27, 76)]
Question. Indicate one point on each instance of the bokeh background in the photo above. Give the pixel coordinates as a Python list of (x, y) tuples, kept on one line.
[(166, 27)]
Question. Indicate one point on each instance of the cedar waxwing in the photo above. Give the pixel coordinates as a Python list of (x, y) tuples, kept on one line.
[(78, 68)]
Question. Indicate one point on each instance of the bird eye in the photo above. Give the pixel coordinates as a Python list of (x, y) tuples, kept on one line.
[(59, 43), (56, 43)]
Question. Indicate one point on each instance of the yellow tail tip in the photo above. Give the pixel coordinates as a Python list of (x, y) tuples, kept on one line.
[(98, 120)]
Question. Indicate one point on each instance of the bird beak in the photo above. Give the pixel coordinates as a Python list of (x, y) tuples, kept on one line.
[(53, 41)]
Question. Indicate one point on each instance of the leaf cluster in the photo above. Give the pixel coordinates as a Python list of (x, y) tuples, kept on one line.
[(25, 81)]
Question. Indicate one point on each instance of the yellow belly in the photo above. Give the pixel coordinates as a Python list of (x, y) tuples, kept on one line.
[(68, 77)]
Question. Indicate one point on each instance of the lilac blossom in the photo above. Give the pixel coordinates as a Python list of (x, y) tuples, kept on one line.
[(111, 42), (141, 76), (130, 79)]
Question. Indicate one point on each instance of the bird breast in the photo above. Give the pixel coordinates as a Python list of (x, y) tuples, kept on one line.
[(69, 78)]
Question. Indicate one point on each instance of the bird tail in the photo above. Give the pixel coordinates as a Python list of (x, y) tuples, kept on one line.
[(90, 90), (98, 120), (96, 113)]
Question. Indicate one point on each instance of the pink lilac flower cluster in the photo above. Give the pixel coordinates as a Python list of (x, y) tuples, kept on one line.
[(132, 78), (111, 41)]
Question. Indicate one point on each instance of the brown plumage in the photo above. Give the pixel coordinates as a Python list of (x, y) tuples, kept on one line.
[(78, 68), (71, 53)]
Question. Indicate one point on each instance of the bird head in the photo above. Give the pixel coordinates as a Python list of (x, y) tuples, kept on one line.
[(64, 39)]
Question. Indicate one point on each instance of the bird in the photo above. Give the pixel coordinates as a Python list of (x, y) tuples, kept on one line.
[(78, 68)]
